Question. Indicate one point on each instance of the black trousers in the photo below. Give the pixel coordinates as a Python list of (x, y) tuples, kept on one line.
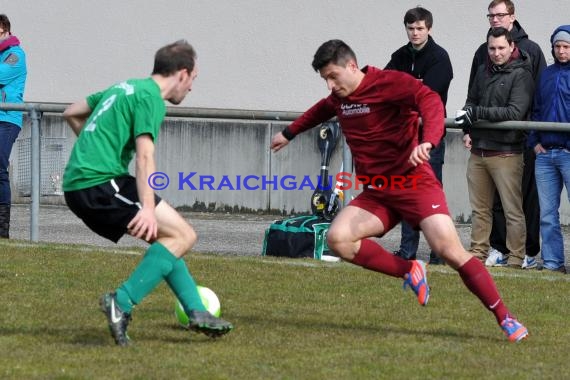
[(531, 211)]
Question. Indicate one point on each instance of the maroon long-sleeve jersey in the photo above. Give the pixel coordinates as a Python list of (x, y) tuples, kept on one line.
[(380, 120)]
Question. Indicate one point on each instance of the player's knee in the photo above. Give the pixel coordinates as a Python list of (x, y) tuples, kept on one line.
[(340, 245), (186, 236), (191, 238), (333, 238)]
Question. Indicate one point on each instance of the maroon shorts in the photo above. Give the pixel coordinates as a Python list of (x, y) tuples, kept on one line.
[(420, 197)]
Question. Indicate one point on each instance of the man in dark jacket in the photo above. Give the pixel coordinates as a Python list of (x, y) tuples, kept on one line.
[(501, 90), (502, 14), (429, 63), (552, 103)]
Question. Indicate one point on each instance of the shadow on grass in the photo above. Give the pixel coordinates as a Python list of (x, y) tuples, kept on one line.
[(258, 323), (85, 336), (100, 336)]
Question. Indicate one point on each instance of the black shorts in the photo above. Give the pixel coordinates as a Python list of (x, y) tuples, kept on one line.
[(108, 208)]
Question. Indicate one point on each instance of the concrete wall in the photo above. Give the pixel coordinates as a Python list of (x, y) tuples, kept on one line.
[(219, 148), (208, 148)]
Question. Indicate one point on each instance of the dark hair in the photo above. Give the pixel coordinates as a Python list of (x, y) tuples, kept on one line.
[(499, 32), (174, 57), (418, 14), (508, 3), (333, 51), (5, 23)]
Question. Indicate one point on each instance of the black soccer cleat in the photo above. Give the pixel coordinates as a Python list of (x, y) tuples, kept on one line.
[(116, 318), (206, 323)]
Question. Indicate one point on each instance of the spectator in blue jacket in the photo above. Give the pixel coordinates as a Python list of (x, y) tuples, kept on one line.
[(12, 81), (552, 166)]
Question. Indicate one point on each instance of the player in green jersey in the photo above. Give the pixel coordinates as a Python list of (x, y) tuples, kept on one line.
[(113, 126)]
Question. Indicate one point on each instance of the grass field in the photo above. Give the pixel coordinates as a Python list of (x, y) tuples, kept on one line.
[(295, 319)]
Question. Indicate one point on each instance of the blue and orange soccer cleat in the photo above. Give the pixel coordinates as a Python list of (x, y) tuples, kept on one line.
[(416, 279), (513, 329)]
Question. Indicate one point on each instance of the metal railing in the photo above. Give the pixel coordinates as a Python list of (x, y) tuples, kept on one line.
[(35, 111)]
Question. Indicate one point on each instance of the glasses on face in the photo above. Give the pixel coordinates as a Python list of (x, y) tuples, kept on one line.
[(499, 16)]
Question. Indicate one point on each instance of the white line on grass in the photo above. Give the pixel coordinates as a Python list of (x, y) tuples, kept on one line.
[(65, 247), (514, 273), (509, 273)]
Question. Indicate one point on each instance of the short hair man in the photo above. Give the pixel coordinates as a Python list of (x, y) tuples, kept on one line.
[(425, 60), (13, 73), (552, 166), (502, 90), (501, 13), (112, 125), (378, 113)]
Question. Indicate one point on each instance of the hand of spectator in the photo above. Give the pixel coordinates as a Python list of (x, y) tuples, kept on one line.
[(467, 141), (466, 117), (538, 149)]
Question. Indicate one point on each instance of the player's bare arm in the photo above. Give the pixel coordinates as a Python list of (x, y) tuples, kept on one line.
[(420, 154), (76, 115), (144, 224), (278, 142)]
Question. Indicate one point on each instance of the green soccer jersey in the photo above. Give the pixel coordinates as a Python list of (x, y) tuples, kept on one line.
[(106, 144)]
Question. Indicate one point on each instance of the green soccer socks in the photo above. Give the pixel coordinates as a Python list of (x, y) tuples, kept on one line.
[(156, 264), (183, 285)]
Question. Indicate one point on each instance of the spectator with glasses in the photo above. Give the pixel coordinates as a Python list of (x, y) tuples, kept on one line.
[(501, 13)]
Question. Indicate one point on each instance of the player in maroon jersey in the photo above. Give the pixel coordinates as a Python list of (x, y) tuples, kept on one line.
[(379, 112)]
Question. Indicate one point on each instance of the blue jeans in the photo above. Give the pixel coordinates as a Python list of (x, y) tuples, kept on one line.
[(8, 134), (410, 237), (552, 171)]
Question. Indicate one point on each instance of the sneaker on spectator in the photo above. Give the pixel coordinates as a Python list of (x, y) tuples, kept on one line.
[(402, 255), (495, 258), (435, 260), (561, 269), (529, 262)]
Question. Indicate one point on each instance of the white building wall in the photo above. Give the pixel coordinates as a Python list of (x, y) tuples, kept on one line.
[(253, 54)]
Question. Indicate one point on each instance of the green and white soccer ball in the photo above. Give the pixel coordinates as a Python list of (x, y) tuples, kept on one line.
[(209, 299)]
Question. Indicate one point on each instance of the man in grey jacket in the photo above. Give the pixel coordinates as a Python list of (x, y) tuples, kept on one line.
[(501, 90), (501, 13)]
